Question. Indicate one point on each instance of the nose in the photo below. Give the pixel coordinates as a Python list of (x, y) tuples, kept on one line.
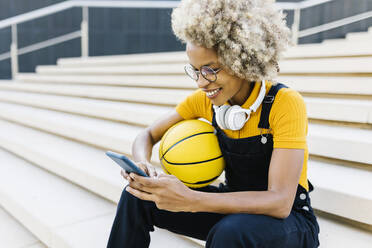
[(202, 82)]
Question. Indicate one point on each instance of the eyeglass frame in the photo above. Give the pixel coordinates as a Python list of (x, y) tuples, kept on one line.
[(199, 72)]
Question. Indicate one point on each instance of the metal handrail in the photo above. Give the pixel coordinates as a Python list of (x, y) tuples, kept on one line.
[(334, 24), (83, 32)]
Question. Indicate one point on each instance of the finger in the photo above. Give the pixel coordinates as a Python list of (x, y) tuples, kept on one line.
[(164, 175), (124, 174), (152, 171), (146, 181), (139, 194), (143, 166), (140, 187)]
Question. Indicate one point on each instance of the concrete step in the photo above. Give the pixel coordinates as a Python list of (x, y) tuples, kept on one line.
[(357, 111), (352, 85), (343, 143), (133, 113), (359, 36), (323, 140), (14, 235), (360, 47), (127, 94), (325, 194), (334, 234), (180, 81), (329, 50), (50, 207), (338, 109), (144, 58), (84, 165), (327, 66), (143, 69), (343, 66), (99, 133), (59, 213), (336, 41), (339, 189)]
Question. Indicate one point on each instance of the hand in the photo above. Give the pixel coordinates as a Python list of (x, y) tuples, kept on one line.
[(148, 168), (166, 191)]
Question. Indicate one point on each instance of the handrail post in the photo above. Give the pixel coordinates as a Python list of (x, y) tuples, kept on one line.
[(296, 25), (14, 52), (85, 33)]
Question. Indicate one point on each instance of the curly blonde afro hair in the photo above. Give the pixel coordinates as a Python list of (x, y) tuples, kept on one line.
[(248, 36)]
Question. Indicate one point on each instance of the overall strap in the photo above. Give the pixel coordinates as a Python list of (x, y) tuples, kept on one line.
[(267, 104)]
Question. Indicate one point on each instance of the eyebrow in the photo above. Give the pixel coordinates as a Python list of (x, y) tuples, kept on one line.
[(210, 63)]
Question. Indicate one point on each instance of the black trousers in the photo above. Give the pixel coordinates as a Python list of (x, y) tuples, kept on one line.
[(135, 218)]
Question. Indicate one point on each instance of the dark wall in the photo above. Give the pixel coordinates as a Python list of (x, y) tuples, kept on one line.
[(328, 12), (111, 31), (123, 31)]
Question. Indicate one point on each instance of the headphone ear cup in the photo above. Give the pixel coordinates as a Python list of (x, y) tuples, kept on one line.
[(228, 117), (235, 118), (220, 116)]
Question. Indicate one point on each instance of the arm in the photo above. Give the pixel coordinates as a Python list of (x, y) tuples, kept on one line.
[(170, 194), (142, 146), (277, 201)]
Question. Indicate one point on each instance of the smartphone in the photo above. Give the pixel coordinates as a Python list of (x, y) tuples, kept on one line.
[(126, 163)]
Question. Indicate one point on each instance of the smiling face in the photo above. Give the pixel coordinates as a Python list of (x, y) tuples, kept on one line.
[(227, 87)]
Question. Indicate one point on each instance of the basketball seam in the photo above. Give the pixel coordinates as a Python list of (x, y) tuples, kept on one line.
[(164, 138), (202, 182), (208, 160), (162, 165), (183, 140)]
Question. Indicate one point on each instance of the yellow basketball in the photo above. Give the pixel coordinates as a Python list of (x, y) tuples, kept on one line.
[(189, 150)]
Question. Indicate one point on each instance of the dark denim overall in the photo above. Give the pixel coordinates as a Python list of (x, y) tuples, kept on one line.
[(248, 161)]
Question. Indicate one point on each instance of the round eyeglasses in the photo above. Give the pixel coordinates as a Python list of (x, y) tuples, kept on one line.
[(208, 73)]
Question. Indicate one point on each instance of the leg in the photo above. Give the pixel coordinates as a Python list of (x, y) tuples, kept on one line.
[(135, 218), (260, 231)]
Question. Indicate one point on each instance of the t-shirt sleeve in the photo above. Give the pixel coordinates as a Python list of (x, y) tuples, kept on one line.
[(193, 106), (289, 120)]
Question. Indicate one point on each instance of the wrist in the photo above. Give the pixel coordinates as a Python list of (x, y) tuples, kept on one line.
[(195, 201)]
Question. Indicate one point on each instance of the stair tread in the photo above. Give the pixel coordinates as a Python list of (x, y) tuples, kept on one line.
[(149, 95), (40, 208), (316, 65), (353, 110), (14, 235), (305, 84), (334, 234), (82, 164), (60, 212), (332, 193), (119, 111)]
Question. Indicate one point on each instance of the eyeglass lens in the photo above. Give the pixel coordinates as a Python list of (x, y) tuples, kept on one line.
[(207, 72)]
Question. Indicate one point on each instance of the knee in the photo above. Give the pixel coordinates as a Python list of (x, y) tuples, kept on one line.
[(127, 200), (231, 232), (226, 233), (126, 196)]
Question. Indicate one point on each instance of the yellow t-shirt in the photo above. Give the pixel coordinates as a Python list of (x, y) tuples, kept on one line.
[(288, 119)]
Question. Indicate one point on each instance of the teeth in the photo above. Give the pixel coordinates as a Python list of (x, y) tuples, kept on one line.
[(211, 93)]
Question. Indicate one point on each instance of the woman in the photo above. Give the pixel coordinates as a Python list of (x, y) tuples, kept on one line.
[(233, 49)]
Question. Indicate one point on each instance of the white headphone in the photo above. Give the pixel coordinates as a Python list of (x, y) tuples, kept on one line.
[(234, 117)]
